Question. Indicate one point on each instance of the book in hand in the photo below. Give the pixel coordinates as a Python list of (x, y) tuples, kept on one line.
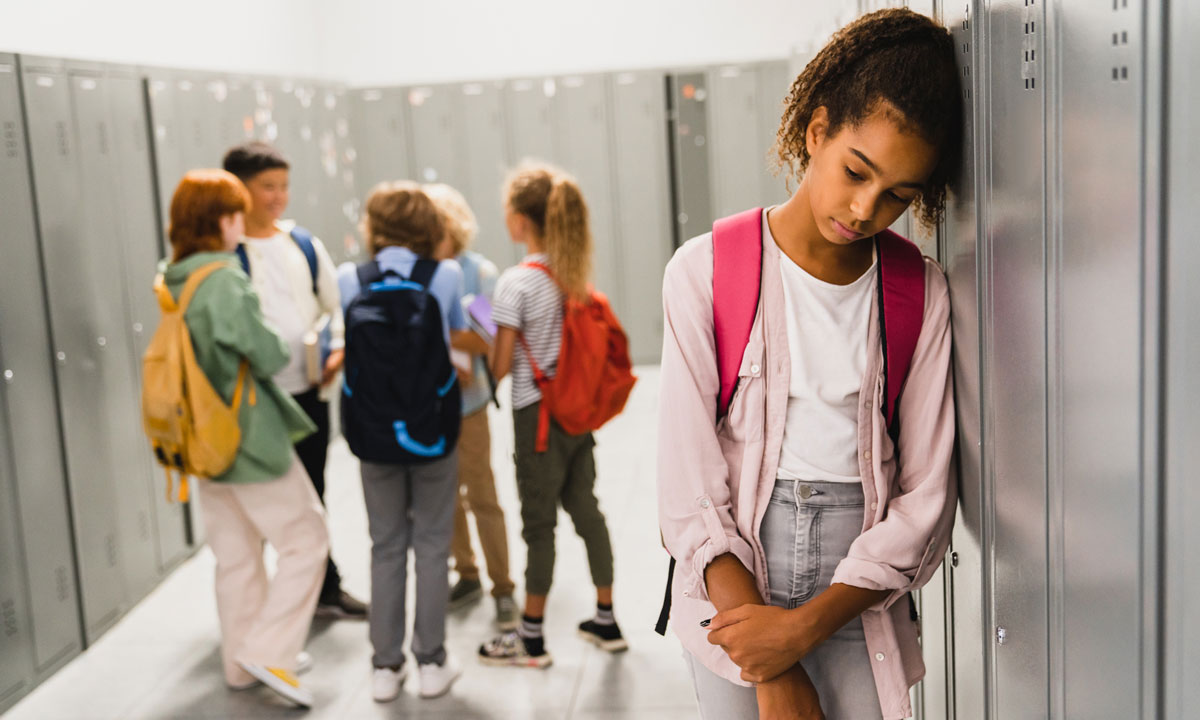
[(316, 349), (479, 317)]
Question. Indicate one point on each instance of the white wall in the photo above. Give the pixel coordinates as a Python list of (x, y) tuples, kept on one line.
[(273, 37), (374, 42)]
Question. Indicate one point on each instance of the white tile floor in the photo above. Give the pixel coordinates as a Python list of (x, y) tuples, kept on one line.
[(162, 659)]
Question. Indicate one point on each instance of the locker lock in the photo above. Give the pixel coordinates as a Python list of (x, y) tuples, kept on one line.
[(953, 559), (101, 341), (8, 376), (61, 357), (1001, 635), (137, 328)]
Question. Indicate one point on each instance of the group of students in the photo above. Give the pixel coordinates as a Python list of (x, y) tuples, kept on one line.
[(806, 407), (273, 324)]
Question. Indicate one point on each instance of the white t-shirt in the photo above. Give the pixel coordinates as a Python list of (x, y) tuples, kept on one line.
[(272, 278), (827, 327)]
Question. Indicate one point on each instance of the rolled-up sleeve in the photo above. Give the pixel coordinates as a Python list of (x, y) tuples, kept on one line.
[(694, 501), (901, 552)]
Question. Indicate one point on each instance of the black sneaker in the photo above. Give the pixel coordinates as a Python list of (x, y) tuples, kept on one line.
[(605, 637), (465, 592), (510, 649), (343, 607)]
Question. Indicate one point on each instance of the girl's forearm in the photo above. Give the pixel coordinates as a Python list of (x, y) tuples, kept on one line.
[(815, 621), (730, 584)]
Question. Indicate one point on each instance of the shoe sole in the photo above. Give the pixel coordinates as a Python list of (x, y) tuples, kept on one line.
[(332, 612), (539, 663), (466, 600), (612, 646)]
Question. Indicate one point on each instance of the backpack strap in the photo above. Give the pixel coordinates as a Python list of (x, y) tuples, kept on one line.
[(198, 276), (901, 270), (304, 240), (368, 273), (243, 258), (423, 272), (540, 379), (737, 279)]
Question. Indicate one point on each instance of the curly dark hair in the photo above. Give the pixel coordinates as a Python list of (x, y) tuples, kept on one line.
[(895, 57)]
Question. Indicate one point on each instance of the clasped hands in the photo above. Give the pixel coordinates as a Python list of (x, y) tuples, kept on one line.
[(763, 640)]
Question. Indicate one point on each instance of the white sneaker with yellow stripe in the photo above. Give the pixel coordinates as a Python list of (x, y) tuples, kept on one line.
[(283, 682)]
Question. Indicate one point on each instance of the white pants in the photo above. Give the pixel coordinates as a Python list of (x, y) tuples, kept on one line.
[(265, 621)]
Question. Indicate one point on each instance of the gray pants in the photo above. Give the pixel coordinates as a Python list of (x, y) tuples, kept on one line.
[(409, 506), (804, 539)]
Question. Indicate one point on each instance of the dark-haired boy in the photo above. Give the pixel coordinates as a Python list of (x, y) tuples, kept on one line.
[(296, 282)]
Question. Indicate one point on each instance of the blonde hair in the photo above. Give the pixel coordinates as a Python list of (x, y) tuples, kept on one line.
[(460, 223), (551, 199), (399, 213)]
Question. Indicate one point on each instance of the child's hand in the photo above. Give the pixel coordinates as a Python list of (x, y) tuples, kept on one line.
[(758, 639), (333, 365)]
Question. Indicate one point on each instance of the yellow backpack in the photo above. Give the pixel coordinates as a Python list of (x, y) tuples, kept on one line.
[(189, 426)]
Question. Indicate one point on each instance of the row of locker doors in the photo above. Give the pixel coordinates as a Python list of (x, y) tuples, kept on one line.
[(85, 527)]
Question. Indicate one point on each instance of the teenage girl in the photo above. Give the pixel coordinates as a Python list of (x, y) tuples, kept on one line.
[(545, 211), (798, 526), (265, 495)]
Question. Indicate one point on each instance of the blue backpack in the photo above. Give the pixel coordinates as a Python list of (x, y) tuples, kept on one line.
[(401, 402)]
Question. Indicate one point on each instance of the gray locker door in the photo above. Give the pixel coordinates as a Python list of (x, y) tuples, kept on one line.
[(102, 234), (139, 260), (485, 145), (379, 117), (1014, 345), (349, 198), (198, 123), (237, 113), (29, 393), (1181, 267), (16, 662), (78, 322), (293, 112), (435, 114), (736, 147), (530, 113), (1096, 299), (691, 169), (331, 223), (774, 81), (584, 139), (168, 153), (644, 198)]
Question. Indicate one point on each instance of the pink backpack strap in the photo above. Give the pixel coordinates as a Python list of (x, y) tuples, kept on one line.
[(902, 278), (737, 277)]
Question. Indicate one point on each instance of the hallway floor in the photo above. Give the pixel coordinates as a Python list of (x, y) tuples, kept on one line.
[(162, 660)]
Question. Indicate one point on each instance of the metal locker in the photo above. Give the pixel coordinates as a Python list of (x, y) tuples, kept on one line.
[(382, 143), (643, 194), (78, 324), (529, 109), (485, 145), (101, 232), (349, 198), (1015, 356), (168, 153), (1096, 299), (16, 662), (293, 113), (583, 137), (774, 82), (968, 566), (693, 205), (237, 113), (198, 122), (29, 394), (434, 112), (1181, 415), (139, 256), (737, 152), (329, 224)]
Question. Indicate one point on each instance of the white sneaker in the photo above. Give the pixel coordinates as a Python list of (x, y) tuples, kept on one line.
[(304, 662), (437, 679), (385, 684), (281, 681)]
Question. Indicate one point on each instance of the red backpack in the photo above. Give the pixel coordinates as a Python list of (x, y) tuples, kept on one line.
[(737, 282), (594, 375)]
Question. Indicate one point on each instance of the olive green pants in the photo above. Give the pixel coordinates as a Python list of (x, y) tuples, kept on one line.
[(565, 474)]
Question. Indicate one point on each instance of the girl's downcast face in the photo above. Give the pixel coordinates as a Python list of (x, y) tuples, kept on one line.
[(861, 179)]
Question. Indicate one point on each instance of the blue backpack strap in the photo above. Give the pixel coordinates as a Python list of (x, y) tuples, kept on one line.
[(243, 258), (304, 240), (368, 273), (423, 272)]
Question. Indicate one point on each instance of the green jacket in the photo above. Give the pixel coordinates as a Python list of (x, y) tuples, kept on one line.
[(226, 324)]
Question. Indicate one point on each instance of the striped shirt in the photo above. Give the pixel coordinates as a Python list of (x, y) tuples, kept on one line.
[(528, 301)]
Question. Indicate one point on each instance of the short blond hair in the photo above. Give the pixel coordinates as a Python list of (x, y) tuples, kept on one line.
[(460, 223), (399, 213)]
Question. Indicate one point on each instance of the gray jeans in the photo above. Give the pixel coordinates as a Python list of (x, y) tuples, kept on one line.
[(409, 506), (807, 530)]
